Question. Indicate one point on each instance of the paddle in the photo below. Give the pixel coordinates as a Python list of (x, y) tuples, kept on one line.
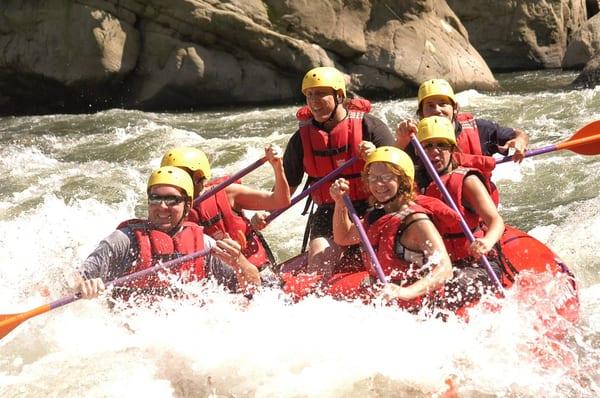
[(230, 180), (467, 231), (364, 240), (585, 141), (10, 321), (311, 188)]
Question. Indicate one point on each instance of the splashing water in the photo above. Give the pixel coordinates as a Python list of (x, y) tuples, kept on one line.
[(68, 180)]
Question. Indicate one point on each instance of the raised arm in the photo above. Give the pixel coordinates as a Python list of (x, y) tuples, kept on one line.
[(243, 197), (344, 231)]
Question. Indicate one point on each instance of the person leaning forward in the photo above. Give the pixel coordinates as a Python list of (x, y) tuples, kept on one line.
[(165, 235), (332, 129)]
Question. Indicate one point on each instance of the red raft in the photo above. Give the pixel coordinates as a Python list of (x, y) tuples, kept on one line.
[(519, 252)]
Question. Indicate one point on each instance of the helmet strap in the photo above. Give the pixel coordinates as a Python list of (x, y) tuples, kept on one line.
[(336, 97), (445, 169), (177, 226)]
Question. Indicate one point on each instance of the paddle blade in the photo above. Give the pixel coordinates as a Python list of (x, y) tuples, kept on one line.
[(8, 323), (586, 141), (4, 317), (11, 321)]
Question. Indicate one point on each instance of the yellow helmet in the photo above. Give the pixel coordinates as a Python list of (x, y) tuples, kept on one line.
[(433, 87), (324, 76), (171, 175), (188, 157), (395, 156), (436, 127)]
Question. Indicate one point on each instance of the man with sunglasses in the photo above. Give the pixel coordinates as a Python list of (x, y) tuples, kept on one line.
[(165, 235)]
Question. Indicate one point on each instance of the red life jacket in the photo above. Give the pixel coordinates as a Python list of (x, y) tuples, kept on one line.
[(326, 151), (485, 165), (384, 236), (442, 215), (216, 215), (154, 246), (455, 240), (468, 140)]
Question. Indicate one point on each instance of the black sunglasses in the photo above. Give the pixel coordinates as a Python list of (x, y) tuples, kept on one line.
[(442, 146), (169, 200)]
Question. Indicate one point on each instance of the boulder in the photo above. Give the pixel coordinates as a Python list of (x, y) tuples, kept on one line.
[(422, 40), (46, 61), (87, 55), (584, 45), (521, 34), (590, 75)]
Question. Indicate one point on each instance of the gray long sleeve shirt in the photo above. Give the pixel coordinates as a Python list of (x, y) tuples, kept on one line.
[(115, 255)]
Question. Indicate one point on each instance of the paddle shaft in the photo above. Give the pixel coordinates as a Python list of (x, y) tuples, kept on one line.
[(463, 224), (230, 180), (364, 239), (569, 144), (9, 322), (312, 188)]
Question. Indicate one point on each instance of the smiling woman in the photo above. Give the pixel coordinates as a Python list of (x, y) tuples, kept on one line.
[(407, 244)]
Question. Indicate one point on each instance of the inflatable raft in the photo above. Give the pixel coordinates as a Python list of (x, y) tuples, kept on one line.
[(518, 252)]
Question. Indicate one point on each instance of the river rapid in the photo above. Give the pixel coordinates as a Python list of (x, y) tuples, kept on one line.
[(66, 181)]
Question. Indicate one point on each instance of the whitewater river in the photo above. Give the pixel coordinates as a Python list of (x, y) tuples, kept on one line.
[(66, 181)]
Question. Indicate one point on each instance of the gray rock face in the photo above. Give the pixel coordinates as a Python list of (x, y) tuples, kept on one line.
[(53, 53), (584, 44), (590, 76), (521, 34), (85, 55)]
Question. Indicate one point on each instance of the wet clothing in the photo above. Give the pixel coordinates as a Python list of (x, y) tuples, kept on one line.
[(470, 277), (491, 135), (402, 265), (373, 129), (116, 255), (153, 246)]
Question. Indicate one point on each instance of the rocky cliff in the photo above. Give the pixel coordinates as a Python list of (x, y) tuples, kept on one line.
[(87, 55)]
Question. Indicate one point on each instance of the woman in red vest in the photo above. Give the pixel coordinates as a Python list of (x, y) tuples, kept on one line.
[(141, 243), (222, 214), (471, 192), (408, 245)]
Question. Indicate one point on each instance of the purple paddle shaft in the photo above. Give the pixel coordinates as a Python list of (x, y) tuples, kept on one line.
[(230, 180), (539, 151), (312, 188), (364, 239), (136, 275), (467, 231)]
